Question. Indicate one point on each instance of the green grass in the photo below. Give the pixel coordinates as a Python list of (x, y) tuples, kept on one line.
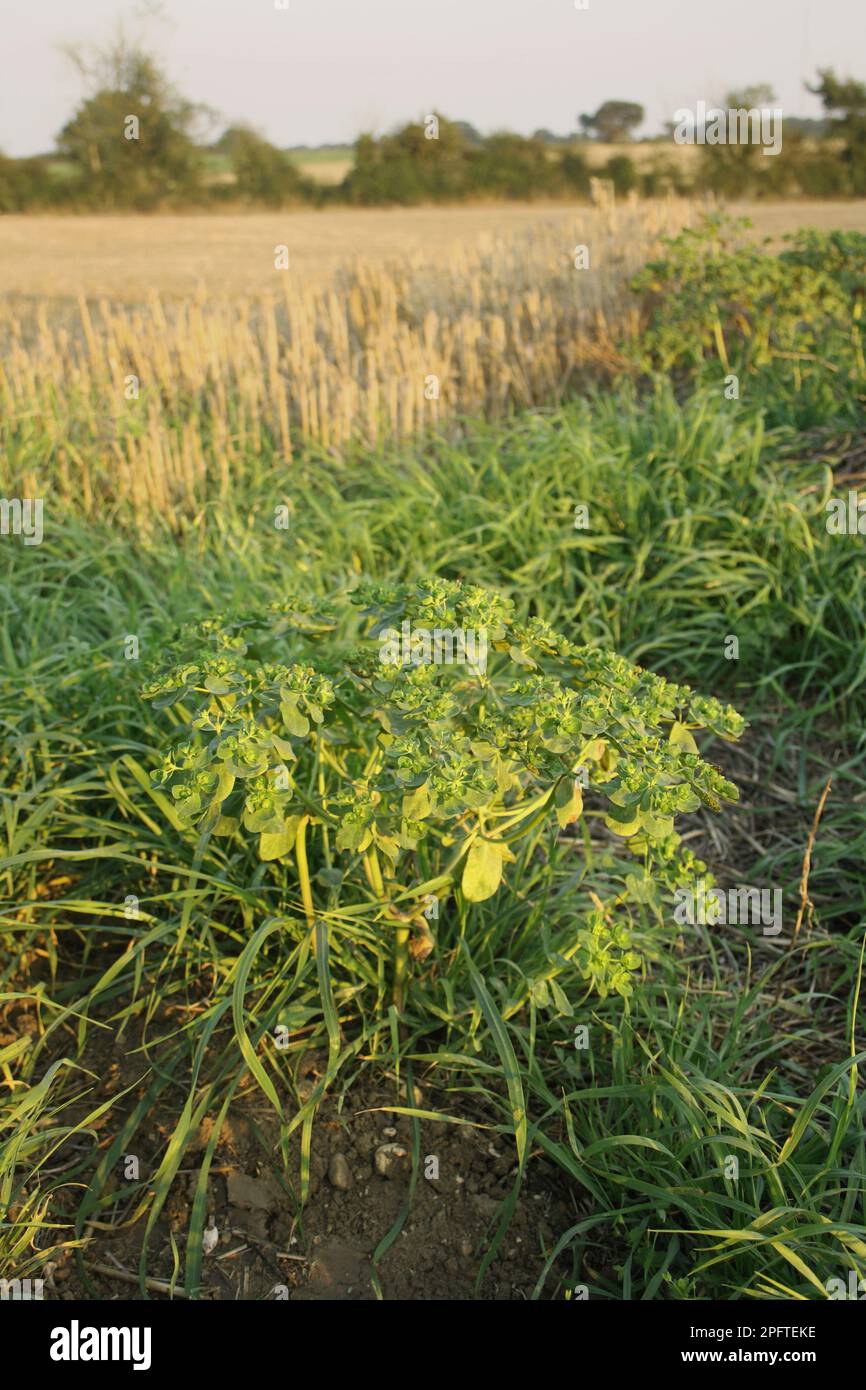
[(701, 525), (711, 1132)]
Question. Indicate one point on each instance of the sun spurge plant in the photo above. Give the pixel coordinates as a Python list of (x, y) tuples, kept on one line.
[(350, 737)]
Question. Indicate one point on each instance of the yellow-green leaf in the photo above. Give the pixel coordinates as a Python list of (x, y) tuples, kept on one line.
[(568, 798), (416, 804), (482, 872), (681, 737)]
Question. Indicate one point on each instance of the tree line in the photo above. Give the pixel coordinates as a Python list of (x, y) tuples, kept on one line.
[(134, 142)]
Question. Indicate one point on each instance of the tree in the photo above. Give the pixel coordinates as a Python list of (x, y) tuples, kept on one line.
[(733, 168), (614, 121), (756, 97), (621, 172), (511, 166), (132, 137), (27, 183), (467, 132), (264, 174), (418, 163), (847, 97), (574, 172)]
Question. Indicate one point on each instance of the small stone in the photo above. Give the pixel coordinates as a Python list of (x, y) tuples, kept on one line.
[(390, 1132), (209, 1237), (390, 1159), (466, 1247), (339, 1173)]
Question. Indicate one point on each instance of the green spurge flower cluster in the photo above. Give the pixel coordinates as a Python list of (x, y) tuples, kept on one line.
[(316, 715)]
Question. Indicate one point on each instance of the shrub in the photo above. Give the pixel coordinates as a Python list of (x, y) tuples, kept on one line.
[(26, 183), (411, 771), (819, 176), (509, 166), (407, 167), (263, 173), (621, 172), (575, 172), (791, 323), (847, 98)]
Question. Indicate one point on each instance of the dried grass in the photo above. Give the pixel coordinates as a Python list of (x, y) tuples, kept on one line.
[(508, 322)]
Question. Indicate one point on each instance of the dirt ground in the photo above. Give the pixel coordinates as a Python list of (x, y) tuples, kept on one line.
[(360, 1166), (124, 257)]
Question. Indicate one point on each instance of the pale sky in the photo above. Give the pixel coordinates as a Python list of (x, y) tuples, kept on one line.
[(322, 70)]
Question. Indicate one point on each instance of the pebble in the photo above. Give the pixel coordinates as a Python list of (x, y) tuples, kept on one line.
[(209, 1237), (339, 1173), (390, 1159)]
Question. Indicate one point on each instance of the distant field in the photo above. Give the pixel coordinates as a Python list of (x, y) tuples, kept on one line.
[(125, 257), (331, 166), (641, 154), (325, 166)]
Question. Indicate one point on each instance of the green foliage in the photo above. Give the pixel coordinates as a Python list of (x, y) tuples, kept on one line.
[(817, 176), (703, 522), (622, 173), (790, 326), (163, 163), (413, 166), (699, 517), (574, 171), (408, 167), (388, 749), (734, 168), (38, 1121), (28, 184), (509, 166), (263, 173), (661, 176), (848, 98), (614, 121)]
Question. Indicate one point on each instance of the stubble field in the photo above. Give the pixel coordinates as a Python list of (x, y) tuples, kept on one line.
[(128, 257)]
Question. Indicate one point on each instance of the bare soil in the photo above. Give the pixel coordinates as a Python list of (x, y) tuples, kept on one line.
[(360, 1166)]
